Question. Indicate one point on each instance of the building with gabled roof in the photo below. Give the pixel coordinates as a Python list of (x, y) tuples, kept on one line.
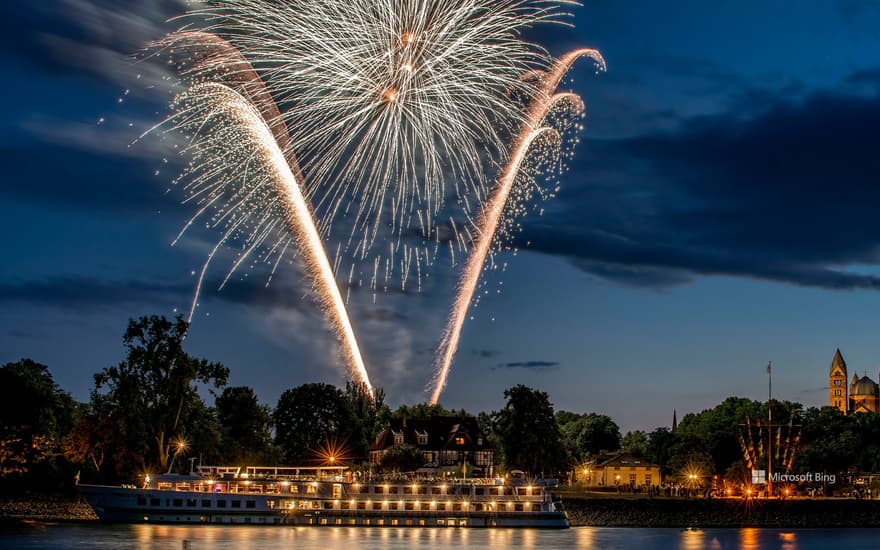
[(621, 469), (860, 395), (447, 443)]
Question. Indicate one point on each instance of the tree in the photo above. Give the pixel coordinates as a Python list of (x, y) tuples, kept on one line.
[(245, 427), (152, 396), (35, 415), (660, 447), (402, 458), (311, 417), (370, 412), (528, 433), (635, 442), (589, 434)]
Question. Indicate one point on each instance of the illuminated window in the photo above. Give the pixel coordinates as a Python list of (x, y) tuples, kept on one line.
[(459, 440)]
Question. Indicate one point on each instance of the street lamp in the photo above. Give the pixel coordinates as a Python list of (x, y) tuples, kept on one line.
[(181, 446)]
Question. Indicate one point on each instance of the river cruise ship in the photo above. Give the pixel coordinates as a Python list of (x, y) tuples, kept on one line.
[(329, 495)]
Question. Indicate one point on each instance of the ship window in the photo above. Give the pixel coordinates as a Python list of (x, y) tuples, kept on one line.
[(495, 491), (508, 491), (518, 507), (142, 501), (393, 490), (236, 503), (379, 489), (191, 502), (154, 502), (408, 506), (377, 506), (250, 504), (328, 505), (478, 507), (221, 503), (206, 503), (362, 505), (479, 491), (177, 503), (425, 506)]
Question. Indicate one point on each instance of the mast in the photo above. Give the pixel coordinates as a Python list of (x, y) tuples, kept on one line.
[(769, 430)]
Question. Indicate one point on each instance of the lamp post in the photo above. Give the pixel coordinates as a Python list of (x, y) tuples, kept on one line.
[(181, 446)]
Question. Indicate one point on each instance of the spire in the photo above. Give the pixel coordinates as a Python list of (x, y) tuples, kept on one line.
[(837, 361), (674, 421)]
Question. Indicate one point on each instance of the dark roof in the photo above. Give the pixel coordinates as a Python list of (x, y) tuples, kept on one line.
[(837, 361), (441, 431), (624, 459)]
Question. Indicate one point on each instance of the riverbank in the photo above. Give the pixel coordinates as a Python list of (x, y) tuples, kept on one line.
[(665, 512), (15, 510)]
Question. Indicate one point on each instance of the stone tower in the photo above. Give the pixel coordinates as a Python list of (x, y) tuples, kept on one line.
[(837, 383)]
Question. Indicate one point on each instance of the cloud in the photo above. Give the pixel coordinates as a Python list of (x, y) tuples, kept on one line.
[(789, 194), (485, 353), (537, 365)]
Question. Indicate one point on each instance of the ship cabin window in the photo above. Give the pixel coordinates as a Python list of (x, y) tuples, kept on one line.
[(154, 502), (343, 505), (221, 503), (250, 504), (377, 506), (409, 490), (378, 489), (479, 491), (392, 506), (508, 491), (518, 507), (393, 489), (191, 502), (328, 505), (361, 505), (142, 501), (177, 502), (478, 507), (235, 503), (311, 488), (206, 503), (294, 489), (425, 506), (408, 506), (495, 491)]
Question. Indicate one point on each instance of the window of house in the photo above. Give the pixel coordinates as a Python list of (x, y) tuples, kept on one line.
[(632, 479), (838, 382), (459, 440), (647, 479), (837, 393), (398, 438), (423, 438)]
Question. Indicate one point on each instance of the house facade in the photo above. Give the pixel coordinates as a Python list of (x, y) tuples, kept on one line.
[(448, 444), (620, 470)]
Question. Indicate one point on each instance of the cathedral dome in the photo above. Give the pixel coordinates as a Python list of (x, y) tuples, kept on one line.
[(865, 386)]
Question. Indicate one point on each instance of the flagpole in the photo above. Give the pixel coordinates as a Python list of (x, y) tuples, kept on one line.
[(770, 430)]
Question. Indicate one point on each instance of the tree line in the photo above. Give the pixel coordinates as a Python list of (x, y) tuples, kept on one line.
[(150, 411)]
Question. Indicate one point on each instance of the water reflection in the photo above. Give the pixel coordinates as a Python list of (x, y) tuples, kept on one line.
[(203, 537)]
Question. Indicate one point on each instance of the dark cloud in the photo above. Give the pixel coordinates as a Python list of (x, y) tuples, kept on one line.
[(787, 195), (81, 293), (537, 365)]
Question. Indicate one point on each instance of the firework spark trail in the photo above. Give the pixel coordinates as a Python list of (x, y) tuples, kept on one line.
[(203, 104), (490, 217), (386, 100)]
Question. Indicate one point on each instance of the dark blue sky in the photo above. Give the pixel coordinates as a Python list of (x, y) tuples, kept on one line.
[(720, 213)]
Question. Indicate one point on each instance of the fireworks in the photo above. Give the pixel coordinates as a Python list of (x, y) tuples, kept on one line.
[(388, 103), (490, 218), (373, 117)]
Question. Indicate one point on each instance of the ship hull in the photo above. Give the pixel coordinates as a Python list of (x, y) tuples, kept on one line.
[(132, 505)]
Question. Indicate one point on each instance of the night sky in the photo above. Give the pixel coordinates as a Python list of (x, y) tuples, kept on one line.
[(721, 212)]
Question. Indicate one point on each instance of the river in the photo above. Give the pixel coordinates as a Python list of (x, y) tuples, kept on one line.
[(51, 536)]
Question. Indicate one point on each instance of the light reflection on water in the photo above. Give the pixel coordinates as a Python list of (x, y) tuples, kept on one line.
[(199, 537)]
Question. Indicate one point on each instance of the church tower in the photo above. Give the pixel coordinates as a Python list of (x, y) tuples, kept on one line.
[(837, 394)]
